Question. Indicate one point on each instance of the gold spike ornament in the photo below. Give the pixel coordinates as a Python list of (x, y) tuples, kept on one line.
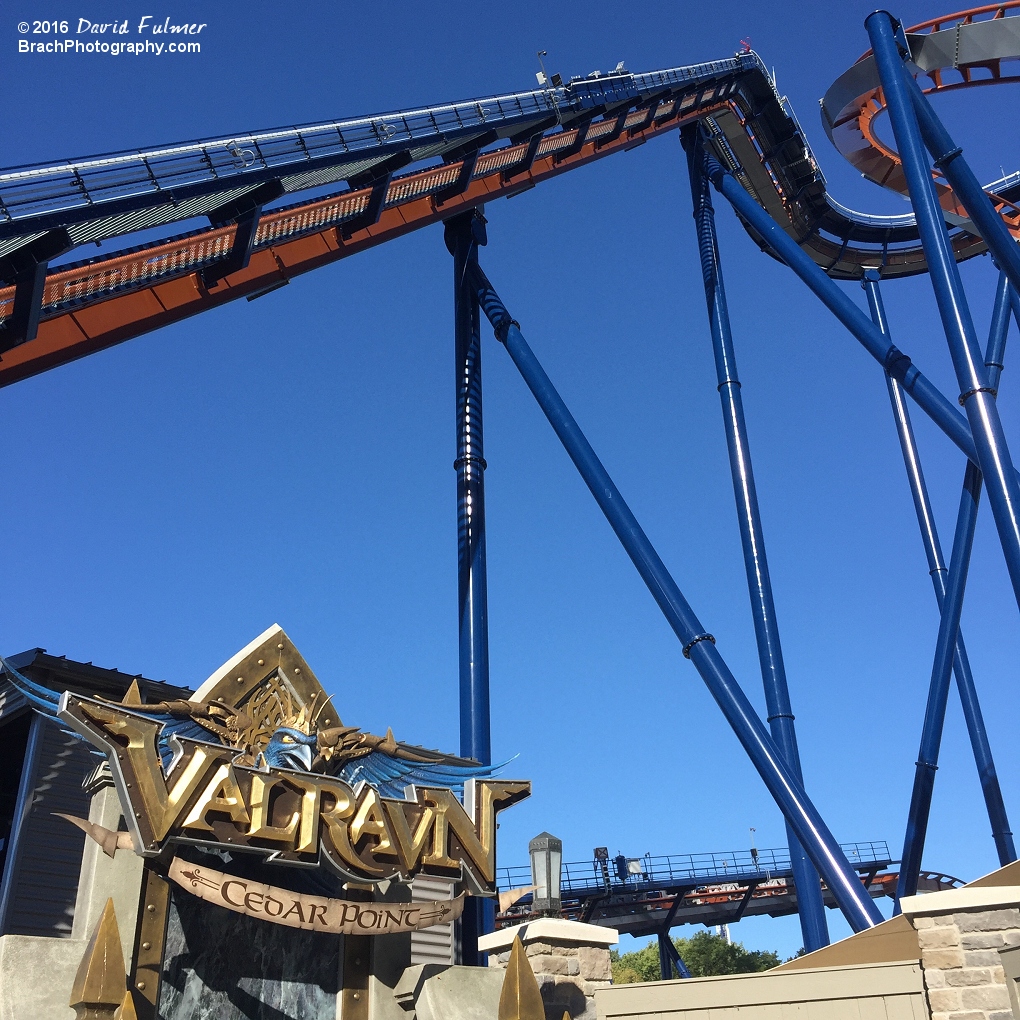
[(100, 984), (521, 998)]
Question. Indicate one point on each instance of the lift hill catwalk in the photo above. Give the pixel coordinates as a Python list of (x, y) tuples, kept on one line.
[(359, 183)]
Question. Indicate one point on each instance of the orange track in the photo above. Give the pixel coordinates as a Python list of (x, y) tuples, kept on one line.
[(882, 164), (80, 331)]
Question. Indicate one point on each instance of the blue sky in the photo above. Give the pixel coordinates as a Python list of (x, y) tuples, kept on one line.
[(290, 460)]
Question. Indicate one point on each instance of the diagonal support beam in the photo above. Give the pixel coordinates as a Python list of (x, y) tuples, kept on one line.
[(937, 568), (27, 266), (533, 136), (245, 211), (670, 959), (810, 905), (948, 157), (977, 396), (698, 645), (947, 652), (922, 390), (742, 905)]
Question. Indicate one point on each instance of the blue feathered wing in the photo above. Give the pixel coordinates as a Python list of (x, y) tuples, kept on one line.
[(46, 703), (391, 775)]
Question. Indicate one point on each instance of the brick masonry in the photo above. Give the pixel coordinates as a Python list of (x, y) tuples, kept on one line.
[(568, 975), (963, 974)]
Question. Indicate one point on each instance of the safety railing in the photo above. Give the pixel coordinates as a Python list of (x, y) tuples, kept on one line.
[(678, 869)]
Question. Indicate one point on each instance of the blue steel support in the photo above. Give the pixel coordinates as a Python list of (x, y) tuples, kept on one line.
[(670, 959), (665, 963), (924, 392), (948, 157), (698, 646), (463, 235), (987, 774), (810, 905), (952, 609), (976, 395)]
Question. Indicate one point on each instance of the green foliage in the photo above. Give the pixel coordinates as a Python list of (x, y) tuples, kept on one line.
[(705, 954)]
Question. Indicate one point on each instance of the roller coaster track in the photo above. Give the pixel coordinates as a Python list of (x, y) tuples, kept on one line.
[(409, 169), (709, 889)]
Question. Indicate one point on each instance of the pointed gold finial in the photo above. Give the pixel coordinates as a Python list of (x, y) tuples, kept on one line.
[(127, 1009), (99, 985), (133, 696), (566, 1014), (521, 998)]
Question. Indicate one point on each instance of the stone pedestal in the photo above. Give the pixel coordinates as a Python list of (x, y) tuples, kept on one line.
[(570, 960), (961, 933)]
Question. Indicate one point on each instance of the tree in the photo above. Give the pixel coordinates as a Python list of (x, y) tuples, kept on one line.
[(705, 954)]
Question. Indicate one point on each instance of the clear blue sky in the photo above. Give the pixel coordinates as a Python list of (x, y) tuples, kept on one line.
[(290, 460)]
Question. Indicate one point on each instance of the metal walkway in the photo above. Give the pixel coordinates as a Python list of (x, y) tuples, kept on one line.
[(243, 235), (649, 895)]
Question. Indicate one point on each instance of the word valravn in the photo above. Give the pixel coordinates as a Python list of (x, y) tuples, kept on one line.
[(293, 816)]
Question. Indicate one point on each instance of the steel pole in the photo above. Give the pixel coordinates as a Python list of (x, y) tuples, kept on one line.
[(698, 645), (463, 235), (924, 392), (937, 569), (976, 394), (948, 158), (952, 609), (810, 905)]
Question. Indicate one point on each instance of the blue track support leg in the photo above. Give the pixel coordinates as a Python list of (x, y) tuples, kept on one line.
[(665, 963), (670, 960), (976, 394), (948, 157), (698, 646), (922, 390), (463, 235), (948, 638), (987, 774), (810, 906)]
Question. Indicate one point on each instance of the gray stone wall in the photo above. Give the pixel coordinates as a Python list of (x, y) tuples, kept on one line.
[(568, 975), (963, 973)]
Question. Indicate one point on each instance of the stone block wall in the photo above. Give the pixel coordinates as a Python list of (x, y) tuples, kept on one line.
[(963, 974), (568, 975)]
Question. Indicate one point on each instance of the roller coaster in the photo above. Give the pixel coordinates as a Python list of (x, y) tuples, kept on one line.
[(252, 211)]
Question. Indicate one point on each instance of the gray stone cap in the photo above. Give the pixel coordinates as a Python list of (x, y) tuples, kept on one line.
[(549, 928), (953, 901)]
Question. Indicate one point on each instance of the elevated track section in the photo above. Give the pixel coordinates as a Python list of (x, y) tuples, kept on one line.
[(242, 234), (651, 895)]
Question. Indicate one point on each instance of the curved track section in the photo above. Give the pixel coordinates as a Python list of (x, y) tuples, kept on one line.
[(959, 51), (405, 170)]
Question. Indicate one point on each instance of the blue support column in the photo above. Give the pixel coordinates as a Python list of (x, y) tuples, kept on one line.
[(921, 389), (665, 963), (810, 906), (987, 774), (670, 960), (948, 157), (698, 646), (948, 638), (463, 235), (976, 394)]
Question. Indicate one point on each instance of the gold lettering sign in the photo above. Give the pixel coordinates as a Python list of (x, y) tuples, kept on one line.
[(209, 796)]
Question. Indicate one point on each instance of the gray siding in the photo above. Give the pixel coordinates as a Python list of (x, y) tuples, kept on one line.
[(49, 853)]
